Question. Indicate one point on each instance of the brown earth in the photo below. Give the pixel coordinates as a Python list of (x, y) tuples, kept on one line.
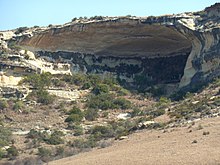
[(128, 38), (159, 147)]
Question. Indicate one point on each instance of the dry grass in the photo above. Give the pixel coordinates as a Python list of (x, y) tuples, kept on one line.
[(175, 146)]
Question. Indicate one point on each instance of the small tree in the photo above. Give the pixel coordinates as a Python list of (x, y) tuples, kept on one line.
[(78, 130), (91, 114), (5, 136), (12, 152), (75, 115), (44, 152), (44, 97), (55, 138), (18, 105), (101, 88), (3, 104)]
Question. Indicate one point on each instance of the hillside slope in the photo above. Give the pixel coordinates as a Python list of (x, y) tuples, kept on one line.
[(156, 147)]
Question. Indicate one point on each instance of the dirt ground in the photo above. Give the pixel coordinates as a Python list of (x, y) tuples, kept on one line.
[(183, 146)]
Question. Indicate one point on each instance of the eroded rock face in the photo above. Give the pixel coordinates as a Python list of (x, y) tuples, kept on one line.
[(181, 48)]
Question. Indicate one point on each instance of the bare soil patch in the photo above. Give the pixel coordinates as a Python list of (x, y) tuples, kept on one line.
[(183, 145)]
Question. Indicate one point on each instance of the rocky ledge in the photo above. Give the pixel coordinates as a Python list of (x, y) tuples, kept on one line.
[(180, 49)]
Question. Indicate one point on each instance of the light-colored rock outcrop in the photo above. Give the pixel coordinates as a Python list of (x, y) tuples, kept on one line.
[(182, 48)]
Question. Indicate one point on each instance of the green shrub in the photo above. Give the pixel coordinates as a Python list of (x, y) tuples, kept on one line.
[(21, 29), (87, 85), (75, 115), (136, 112), (76, 79), (5, 136), (110, 81), (44, 152), (38, 81), (157, 112), (100, 132), (18, 105), (106, 101), (123, 127), (94, 79), (57, 82), (74, 19), (3, 104), (44, 97), (60, 151), (55, 138), (123, 92), (122, 103), (102, 101), (75, 118), (12, 152), (2, 154), (78, 130), (75, 110), (33, 134), (91, 114), (84, 143), (100, 88)]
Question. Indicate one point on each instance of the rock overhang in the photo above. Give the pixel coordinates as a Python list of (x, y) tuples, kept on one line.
[(183, 41), (130, 38)]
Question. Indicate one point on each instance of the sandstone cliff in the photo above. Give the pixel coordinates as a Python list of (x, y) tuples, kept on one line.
[(179, 49)]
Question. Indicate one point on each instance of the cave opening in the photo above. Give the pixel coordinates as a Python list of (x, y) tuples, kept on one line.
[(148, 54)]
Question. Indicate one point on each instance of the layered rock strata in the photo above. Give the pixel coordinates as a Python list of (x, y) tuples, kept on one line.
[(182, 49)]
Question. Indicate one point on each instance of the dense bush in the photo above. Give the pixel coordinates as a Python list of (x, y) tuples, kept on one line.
[(55, 138), (21, 29), (122, 128), (75, 115), (100, 88), (96, 18), (91, 114), (122, 92), (59, 151), (3, 104), (100, 132), (41, 96), (76, 79), (44, 152), (78, 130), (5, 136), (2, 154), (122, 103), (18, 105), (106, 101), (83, 143), (157, 112), (38, 81), (102, 101), (12, 152), (136, 112), (87, 85), (44, 97)]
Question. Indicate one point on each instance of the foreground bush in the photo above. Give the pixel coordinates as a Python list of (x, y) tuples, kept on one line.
[(100, 88), (3, 104), (5, 136), (75, 115), (41, 96), (99, 132), (54, 139), (12, 152), (91, 114), (44, 152), (106, 101), (38, 81)]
